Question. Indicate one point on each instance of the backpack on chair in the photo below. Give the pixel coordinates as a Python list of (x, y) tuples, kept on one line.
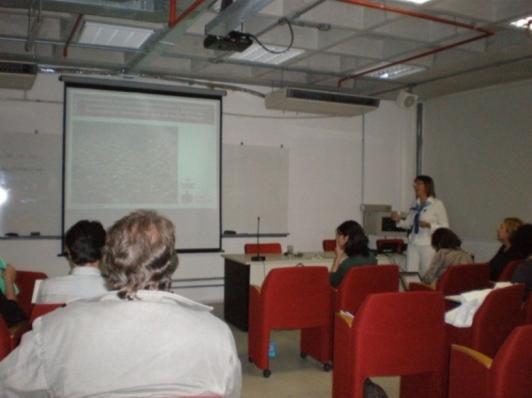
[(372, 390)]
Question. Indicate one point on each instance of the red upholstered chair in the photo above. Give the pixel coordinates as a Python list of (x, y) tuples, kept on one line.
[(329, 245), (290, 298), (10, 337), (265, 248), (357, 284), (459, 279), (509, 270), (25, 280), (507, 375), (392, 334), (528, 309), (43, 309), (391, 245), (5, 339), (498, 315)]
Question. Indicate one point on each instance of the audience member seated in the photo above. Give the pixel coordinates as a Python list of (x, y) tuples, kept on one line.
[(84, 243), (9, 309), (448, 252), (351, 250), (523, 242), (138, 341), (507, 252)]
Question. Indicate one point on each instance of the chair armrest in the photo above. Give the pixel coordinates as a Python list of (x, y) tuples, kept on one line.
[(469, 371), (345, 317), (479, 357), (415, 286)]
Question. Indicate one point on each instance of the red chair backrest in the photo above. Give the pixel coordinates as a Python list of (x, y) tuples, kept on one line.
[(329, 245), (25, 281), (510, 371), (400, 333), (42, 309), (498, 315), (265, 248), (390, 245), (296, 297), (509, 270), (5, 339), (359, 282), (392, 334), (463, 278)]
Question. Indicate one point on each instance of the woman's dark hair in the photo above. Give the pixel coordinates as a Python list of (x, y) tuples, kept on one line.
[(444, 238), (85, 241), (429, 184), (521, 240), (357, 241)]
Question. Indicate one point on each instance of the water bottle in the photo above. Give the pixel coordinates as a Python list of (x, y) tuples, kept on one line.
[(272, 351)]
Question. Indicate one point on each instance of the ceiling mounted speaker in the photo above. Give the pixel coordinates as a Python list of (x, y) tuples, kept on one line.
[(406, 99)]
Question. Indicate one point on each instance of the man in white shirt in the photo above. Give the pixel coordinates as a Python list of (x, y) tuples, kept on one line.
[(84, 243), (138, 341)]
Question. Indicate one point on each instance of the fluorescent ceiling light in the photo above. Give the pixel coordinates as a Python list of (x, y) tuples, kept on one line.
[(113, 35), (415, 1), (523, 23), (395, 71), (256, 53)]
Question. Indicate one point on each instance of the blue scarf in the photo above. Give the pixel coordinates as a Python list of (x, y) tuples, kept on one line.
[(418, 208)]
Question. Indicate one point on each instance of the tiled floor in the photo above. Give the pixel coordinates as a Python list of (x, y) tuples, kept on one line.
[(292, 377)]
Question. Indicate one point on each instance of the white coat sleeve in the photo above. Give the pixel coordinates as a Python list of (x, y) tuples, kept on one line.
[(441, 217)]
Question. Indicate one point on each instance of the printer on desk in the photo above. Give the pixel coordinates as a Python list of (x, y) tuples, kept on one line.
[(377, 220)]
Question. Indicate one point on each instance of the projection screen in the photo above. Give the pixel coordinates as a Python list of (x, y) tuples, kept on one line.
[(128, 149)]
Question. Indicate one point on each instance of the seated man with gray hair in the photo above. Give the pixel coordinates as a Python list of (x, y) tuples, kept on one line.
[(138, 341)]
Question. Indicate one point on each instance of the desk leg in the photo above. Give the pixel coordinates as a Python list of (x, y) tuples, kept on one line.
[(236, 293)]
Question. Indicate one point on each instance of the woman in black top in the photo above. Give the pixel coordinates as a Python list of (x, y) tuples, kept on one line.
[(507, 252)]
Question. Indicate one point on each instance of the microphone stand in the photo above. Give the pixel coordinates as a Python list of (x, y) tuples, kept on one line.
[(258, 257)]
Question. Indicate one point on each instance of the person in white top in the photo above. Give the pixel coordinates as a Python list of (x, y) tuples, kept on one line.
[(84, 243), (137, 341), (426, 215)]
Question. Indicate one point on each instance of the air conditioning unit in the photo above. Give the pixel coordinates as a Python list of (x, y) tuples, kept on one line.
[(322, 102), (17, 75)]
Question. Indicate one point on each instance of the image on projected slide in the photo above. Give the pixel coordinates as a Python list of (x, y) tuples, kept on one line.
[(143, 172)]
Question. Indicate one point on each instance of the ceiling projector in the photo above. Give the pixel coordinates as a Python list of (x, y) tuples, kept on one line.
[(233, 41)]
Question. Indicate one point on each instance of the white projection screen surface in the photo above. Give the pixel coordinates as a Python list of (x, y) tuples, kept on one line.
[(127, 150)]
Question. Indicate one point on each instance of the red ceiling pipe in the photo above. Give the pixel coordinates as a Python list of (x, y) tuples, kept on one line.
[(173, 19), (379, 6), (71, 35)]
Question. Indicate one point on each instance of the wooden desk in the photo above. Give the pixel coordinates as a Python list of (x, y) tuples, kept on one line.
[(240, 272)]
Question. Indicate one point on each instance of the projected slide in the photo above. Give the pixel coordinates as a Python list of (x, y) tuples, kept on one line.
[(131, 150)]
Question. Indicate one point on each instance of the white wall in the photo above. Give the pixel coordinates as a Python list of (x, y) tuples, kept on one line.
[(325, 171), (478, 147)]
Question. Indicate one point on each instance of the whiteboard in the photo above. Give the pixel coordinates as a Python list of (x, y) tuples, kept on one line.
[(255, 184), (30, 171)]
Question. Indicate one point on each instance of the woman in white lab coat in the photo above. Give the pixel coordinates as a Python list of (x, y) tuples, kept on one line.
[(426, 215)]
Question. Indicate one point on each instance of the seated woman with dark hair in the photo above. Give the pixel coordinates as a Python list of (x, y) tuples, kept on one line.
[(523, 243), (448, 252), (351, 250), (507, 252)]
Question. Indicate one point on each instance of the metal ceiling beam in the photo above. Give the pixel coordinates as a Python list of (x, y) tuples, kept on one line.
[(234, 15), (177, 27)]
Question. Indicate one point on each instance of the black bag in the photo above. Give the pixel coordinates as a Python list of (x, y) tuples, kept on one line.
[(372, 390), (10, 311)]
